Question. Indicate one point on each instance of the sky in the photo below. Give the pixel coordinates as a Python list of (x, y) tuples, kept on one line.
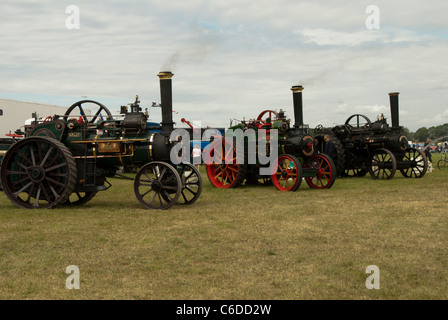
[(231, 59)]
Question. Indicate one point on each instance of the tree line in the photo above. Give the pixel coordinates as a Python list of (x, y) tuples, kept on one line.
[(435, 132)]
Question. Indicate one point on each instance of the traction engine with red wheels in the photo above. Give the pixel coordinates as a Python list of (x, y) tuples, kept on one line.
[(297, 157)]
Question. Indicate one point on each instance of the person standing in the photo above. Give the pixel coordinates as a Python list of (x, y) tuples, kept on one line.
[(329, 146), (196, 153), (427, 148)]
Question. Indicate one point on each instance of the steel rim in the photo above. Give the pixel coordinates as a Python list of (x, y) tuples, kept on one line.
[(419, 164), (355, 172), (157, 185), (225, 173), (383, 165), (288, 175), (81, 112), (38, 172), (80, 198), (325, 174), (191, 184), (442, 164)]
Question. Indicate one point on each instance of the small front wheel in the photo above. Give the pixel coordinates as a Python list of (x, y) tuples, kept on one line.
[(382, 164), (157, 185), (289, 173), (418, 165), (191, 183), (326, 172)]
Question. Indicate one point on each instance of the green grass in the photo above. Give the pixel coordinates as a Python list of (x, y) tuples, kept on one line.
[(244, 243)]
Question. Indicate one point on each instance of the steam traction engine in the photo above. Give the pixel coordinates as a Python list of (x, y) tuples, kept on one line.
[(5, 144), (363, 146), (66, 160), (297, 157)]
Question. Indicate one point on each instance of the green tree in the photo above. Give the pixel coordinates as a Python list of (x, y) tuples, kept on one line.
[(421, 134), (438, 132), (407, 133)]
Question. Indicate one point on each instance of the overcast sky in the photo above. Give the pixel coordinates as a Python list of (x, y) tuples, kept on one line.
[(232, 59)]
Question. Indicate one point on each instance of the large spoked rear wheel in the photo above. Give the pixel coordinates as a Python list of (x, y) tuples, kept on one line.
[(38, 172), (80, 198), (355, 172), (157, 185), (289, 173), (326, 172), (223, 169), (418, 164), (191, 183), (383, 164)]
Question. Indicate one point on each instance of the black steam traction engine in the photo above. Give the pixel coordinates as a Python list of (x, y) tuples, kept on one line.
[(297, 157), (363, 146), (65, 160)]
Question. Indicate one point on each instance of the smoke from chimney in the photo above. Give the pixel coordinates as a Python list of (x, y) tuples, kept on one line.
[(172, 61)]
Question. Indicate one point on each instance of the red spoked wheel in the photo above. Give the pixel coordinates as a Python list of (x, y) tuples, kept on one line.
[(223, 169), (48, 119), (289, 173), (264, 115), (326, 172)]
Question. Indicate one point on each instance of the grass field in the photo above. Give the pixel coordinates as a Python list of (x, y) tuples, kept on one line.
[(245, 243)]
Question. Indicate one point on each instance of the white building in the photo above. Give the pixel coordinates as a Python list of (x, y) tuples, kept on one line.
[(13, 114)]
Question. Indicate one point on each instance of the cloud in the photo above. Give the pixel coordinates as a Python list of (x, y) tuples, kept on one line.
[(326, 37), (232, 59), (439, 118), (346, 108)]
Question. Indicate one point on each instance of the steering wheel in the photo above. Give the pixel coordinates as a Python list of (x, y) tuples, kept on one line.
[(83, 105), (48, 119), (270, 114), (358, 121)]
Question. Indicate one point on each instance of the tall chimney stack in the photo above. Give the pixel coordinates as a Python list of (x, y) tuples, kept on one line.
[(298, 105), (395, 118), (166, 97)]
